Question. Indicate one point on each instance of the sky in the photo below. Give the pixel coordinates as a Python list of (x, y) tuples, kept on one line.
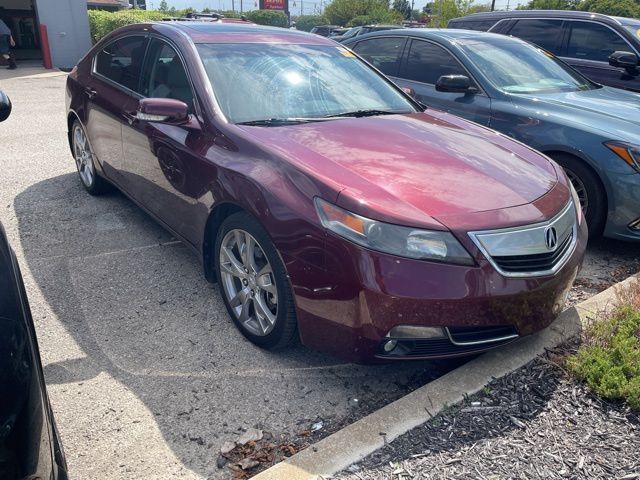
[(309, 7)]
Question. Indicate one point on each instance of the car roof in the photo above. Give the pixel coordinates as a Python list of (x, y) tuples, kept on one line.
[(575, 14), (448, 34), (240, 32)]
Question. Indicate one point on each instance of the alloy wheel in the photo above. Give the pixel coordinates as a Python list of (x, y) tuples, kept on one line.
[(580, 188), (248, 282), (83, 156)]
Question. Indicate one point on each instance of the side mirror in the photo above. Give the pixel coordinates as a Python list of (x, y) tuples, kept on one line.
[(409, 91), (163, 110), (5, 106), (626, 60), (455, 84)]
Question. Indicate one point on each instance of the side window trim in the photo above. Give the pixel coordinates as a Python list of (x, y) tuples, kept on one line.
[(117, 85), (405, 61), (569, 27), (196, 104)]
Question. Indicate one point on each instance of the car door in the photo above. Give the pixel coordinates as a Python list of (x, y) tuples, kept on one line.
[(112, 84), (384, 53), (161, 159), (588, 47), (425, 62)]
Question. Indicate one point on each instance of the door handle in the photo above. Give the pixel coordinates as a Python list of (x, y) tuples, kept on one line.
[(91, 93), (130, 117)]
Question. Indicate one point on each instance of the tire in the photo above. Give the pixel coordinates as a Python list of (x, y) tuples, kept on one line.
[(593, 198), (249, 298), (85, 162)]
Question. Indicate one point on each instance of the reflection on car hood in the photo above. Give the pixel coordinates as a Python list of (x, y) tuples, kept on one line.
[(413, 168), (610, 110)]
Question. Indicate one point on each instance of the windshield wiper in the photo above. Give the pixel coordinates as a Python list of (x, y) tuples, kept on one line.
[(364, 113), (274, 122)]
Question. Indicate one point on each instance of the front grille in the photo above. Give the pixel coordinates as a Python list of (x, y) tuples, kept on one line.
[(462, 341), (462, 335), (536, 262)]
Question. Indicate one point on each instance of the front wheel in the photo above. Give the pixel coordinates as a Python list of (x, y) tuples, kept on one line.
[(593, 199), (85, 162), (254, 284)]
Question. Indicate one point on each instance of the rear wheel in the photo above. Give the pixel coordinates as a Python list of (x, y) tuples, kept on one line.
[(592, 196), (254, 284), (85, 162)]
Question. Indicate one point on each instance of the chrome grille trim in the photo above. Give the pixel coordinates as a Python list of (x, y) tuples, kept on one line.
[(529, 240)]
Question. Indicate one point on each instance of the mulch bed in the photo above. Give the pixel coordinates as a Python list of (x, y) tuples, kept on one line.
[(534, 423)]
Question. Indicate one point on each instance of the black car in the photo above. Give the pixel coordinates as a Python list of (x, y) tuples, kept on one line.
[(357, 31), (606, 49), (30, 447), (325, 30)]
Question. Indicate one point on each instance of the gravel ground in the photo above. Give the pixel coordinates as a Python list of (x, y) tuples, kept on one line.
[(535, 423)]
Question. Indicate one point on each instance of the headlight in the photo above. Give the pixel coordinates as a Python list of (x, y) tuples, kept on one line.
[(627, 152), (396, 240)]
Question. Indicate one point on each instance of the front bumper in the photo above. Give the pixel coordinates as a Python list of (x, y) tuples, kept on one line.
[(348, 308), (624, 207)]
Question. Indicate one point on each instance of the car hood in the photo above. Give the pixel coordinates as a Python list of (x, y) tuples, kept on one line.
[(413, 168), (610, 110)]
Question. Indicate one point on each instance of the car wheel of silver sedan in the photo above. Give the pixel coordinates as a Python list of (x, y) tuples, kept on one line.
[(253, 283), (85, 162)]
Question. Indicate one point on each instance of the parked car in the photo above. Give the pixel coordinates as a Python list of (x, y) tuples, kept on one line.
[(356, 31), (526, 93), (338, 31), (321, 197), (325, 30), (604, 48), (29, 442)]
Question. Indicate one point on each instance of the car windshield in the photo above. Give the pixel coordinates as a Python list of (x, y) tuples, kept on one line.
[(351, 32), (519, 67), (258, 82)]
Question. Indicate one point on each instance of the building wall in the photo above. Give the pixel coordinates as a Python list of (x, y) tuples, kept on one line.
[(68, 29)]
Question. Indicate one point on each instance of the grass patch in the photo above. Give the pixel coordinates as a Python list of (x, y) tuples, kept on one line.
[(609, 358)]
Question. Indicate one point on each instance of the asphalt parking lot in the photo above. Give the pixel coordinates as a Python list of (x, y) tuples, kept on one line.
[(147, 375)]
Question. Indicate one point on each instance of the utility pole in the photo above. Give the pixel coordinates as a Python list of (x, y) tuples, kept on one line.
[(301, 7), (240, 7), (233, 5), (493, 5)]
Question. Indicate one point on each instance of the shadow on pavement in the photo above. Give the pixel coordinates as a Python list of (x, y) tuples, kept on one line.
[(137, 306)]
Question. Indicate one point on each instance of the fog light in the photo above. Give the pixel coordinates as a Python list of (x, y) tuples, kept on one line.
[(635, 225), (413, 331), (390, 345)]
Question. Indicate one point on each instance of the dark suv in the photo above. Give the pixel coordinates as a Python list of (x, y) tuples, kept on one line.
[(605, 49)]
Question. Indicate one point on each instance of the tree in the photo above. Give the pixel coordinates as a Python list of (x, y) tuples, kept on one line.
[(618, 8), (163, 6), (444, 10), (551, 5), (403, 7), (341, 12), (307, 22), (268, 17)]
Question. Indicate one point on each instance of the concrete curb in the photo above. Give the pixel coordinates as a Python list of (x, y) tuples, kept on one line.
[(354, 442)]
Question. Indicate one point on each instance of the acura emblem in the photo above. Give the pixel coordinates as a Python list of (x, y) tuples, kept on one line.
[(550, 238)]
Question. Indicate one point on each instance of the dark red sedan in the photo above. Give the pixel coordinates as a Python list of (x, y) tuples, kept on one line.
[(325, 202)]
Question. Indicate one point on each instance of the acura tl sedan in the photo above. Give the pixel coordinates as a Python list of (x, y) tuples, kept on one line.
[(326, 203), (525, 92)]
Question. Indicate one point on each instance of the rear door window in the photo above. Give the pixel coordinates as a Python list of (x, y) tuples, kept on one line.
[(121, 61), (384, 53), (427, 62), (593, 41), (542, 32)]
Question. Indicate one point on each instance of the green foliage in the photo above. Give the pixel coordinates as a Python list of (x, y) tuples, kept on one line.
[(342, 12), (268, 17), (403, 7), (163, 6), (101, 22), (619, 8), (444, 10), (550, 5), (307, 22), (609, 360)]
